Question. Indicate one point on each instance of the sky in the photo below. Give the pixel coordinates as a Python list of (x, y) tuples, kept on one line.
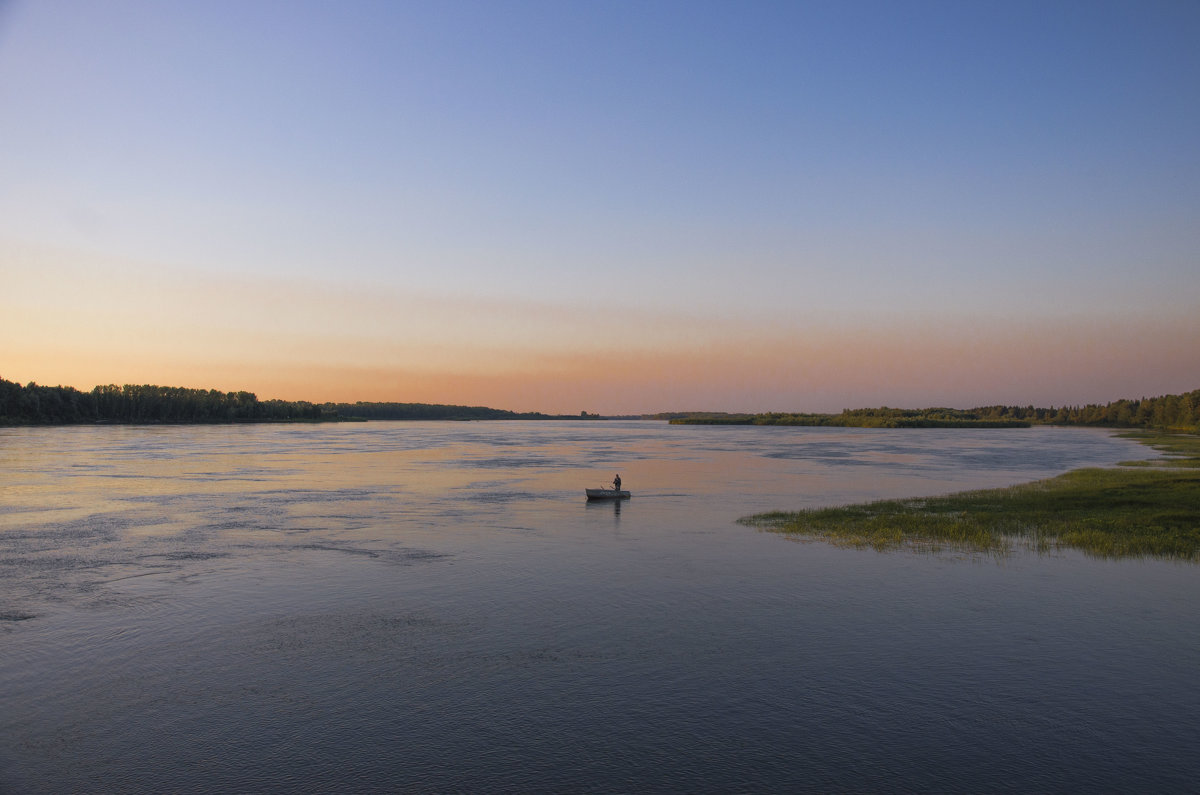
[(605, 206)]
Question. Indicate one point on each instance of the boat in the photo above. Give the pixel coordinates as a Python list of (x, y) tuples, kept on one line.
[(607, 494)]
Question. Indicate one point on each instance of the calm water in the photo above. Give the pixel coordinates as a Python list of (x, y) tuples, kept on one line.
[(434, 607)]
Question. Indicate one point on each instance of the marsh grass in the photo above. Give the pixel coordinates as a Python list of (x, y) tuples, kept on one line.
[(1179, 450), (1151, 510)]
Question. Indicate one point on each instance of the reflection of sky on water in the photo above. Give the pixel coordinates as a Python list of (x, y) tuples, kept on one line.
[(425, 606), (80, 499)]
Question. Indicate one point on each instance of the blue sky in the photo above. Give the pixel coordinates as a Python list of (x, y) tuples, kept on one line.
[(568, 177)]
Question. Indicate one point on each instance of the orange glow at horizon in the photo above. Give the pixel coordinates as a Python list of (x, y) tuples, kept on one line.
[(821, 371), (746, 212), (333, 343)]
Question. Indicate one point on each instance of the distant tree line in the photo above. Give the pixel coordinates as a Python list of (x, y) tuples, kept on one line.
[(428, 411), (861, 418), (1168, 412), (33, 404)]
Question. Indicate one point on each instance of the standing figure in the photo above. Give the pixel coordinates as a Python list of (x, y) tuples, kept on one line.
[(617, 482)]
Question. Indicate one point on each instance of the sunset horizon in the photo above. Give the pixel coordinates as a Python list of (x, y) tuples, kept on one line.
[(565, 208), (599, 396)]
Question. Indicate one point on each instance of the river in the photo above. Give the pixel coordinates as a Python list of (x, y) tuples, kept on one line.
[(366, 607)]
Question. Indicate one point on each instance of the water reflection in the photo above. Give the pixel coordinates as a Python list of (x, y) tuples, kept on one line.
[(393, 606), (81, 501), (604, 505)]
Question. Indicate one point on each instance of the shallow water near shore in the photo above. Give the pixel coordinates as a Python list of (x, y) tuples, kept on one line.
[(434, 607)]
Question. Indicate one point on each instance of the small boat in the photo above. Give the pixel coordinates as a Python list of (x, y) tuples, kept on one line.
[(607, 494)]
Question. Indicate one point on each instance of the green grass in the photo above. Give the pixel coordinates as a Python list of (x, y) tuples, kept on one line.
[(1151, 510), (1181, 450)]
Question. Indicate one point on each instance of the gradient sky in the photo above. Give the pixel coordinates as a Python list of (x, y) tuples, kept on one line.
[(605, 206)]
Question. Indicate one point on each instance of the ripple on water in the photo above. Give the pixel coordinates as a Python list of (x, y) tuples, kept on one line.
[(298, 636)]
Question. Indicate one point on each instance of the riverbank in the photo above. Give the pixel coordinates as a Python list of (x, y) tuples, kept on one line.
[(860, 418), (1142, 509)]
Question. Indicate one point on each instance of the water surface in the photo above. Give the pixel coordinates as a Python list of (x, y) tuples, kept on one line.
[(433, 606)]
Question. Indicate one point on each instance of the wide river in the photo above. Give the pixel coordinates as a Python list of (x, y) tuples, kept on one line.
[(435, 607)]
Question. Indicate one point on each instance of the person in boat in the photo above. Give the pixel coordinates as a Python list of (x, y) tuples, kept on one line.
[(617, 482)]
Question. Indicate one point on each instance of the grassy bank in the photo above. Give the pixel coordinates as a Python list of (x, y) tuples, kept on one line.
[(1145, 509)]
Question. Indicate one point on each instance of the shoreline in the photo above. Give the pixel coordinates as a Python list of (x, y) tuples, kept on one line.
[(1136, 509)]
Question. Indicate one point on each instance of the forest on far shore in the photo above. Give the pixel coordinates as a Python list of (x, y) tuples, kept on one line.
[(33, 404), (1167, 412)]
